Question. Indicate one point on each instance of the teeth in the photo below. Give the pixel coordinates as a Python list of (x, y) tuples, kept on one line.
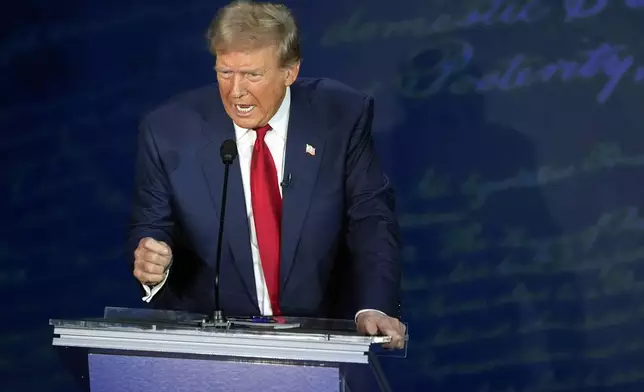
[(245, 109)]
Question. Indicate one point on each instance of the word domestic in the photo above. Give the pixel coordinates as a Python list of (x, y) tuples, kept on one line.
[(358, 28)]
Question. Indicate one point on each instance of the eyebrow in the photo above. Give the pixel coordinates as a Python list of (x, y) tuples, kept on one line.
[(251, 70)]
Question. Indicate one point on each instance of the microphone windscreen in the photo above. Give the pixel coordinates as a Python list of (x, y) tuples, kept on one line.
[(228, 151)]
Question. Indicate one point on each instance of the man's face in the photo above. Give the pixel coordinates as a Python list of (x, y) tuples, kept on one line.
[(252, 85)]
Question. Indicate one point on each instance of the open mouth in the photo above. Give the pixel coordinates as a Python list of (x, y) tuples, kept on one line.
[(244, 109)]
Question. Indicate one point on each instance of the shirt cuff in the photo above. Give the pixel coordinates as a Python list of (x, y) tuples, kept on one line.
[(150, 292), (355, 319)]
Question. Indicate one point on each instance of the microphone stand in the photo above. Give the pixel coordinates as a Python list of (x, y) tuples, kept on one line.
[(218, 319)]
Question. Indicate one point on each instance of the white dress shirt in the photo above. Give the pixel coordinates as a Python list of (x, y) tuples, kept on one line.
[(276, 142)]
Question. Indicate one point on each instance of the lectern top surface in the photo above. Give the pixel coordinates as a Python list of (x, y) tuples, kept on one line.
[(184, 323)]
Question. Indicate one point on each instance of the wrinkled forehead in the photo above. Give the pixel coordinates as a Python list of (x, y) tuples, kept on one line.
[(264, 57)]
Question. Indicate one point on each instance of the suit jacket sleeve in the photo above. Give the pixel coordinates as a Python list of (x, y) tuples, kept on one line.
[(151, 208), (372, 231)]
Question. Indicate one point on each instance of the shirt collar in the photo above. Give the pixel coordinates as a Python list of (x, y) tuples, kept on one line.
[(278, 122)]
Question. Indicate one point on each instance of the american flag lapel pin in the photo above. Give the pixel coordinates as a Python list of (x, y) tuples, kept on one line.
[(310, 150)]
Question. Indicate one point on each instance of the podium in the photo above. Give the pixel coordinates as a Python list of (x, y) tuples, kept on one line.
[(153, 350)]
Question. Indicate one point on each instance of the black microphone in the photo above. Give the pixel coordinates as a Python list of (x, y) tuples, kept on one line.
[(286, 182), (228, 152)]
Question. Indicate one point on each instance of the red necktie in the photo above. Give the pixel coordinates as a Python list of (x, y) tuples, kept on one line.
[(267, 213)]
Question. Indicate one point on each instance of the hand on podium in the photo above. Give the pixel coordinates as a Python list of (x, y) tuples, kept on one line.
[(151, 261), (374, 323)]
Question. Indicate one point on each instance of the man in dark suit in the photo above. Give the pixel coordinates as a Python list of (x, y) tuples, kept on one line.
[(310, 223)]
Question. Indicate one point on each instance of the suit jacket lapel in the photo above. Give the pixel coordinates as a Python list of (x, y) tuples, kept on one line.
[(303, 167), (218, 128)]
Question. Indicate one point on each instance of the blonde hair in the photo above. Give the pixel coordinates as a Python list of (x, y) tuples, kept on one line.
[(246, 25)]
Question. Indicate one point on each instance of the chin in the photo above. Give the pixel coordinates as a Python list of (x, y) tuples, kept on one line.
[(245, 122)]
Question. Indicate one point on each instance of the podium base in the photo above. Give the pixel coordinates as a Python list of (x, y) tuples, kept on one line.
[(217, 321)]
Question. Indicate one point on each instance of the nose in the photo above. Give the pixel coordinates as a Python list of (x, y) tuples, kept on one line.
[(239, 87)]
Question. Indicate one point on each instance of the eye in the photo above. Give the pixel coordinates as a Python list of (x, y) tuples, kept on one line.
[(224, 73), (252, 76)]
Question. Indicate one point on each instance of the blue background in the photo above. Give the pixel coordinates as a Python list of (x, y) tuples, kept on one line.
[(512, 130)]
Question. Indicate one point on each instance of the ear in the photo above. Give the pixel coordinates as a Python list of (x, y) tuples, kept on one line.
[(291, 73)]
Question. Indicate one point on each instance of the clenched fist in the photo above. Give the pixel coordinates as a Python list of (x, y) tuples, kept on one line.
[(151, 260)]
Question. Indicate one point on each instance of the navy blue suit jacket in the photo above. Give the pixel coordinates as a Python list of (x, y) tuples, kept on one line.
[(340, 240)]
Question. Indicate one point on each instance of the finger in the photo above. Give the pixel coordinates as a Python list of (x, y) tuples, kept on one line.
[(393, 345), (393, 329), (155, 258), (152, 268), (370, 326), (398, 341), (147, 278), (166, 246), (155, 246), (148, 267), (387, 330)]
